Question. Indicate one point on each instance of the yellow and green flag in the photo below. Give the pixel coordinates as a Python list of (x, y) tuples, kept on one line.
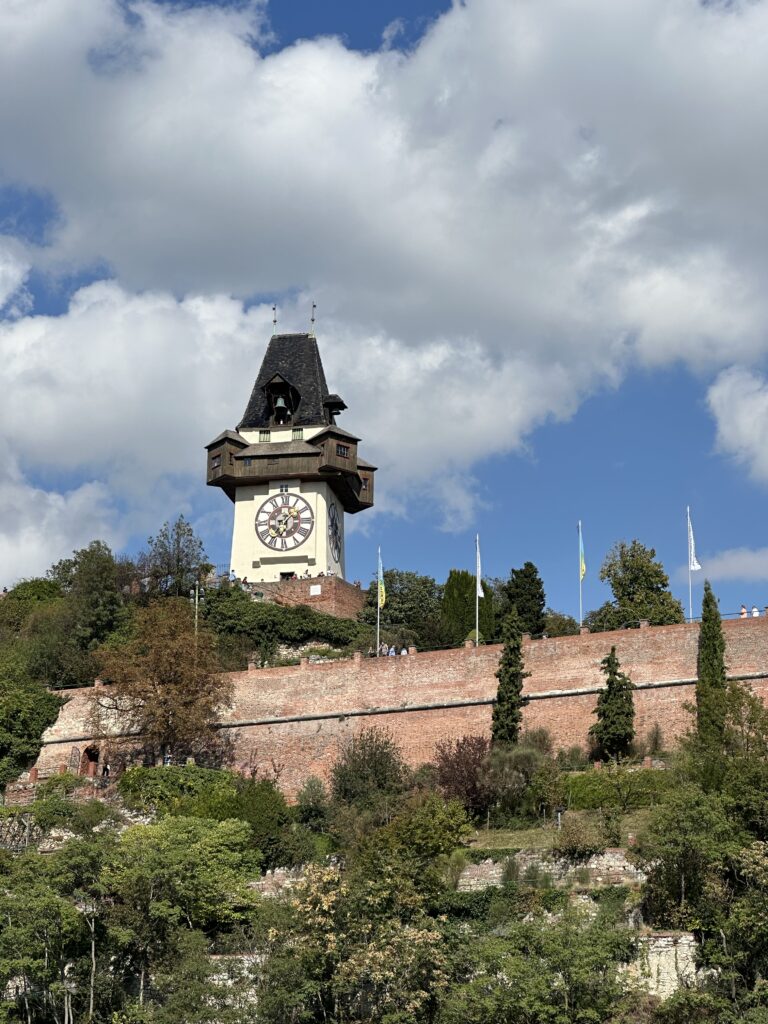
[(582, 561), (382, 588)]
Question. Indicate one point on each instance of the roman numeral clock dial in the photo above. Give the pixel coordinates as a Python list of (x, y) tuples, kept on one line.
[(284, 522)]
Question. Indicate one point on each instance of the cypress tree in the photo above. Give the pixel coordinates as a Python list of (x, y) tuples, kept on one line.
[(524, 590), (508, 709), (457, 611), (711, 683), (614, 729)]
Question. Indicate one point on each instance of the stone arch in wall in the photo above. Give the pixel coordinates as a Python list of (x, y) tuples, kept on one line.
[(89, 761)]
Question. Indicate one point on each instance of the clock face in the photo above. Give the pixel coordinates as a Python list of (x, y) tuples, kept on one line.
[(284, 522), (334, 531)]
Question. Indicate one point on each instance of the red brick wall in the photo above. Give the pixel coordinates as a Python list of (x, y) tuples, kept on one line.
[(337, 597), (297, 749)]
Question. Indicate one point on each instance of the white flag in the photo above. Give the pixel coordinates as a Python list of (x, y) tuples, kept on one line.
[(693, 565), (478, 570)]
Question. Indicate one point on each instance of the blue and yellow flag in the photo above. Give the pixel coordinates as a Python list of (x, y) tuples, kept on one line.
[(582, 561), (382, 588)]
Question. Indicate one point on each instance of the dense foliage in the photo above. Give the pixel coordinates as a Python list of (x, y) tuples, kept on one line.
[(640, 588)]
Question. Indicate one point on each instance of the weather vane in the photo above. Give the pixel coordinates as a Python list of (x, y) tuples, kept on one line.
[(274, 317), (312, 318)]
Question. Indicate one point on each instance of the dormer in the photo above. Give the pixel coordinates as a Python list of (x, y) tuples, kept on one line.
[(283, 401)]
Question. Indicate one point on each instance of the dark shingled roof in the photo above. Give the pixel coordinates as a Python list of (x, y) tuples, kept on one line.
[(272, 449), (228, 435), (296, 358)]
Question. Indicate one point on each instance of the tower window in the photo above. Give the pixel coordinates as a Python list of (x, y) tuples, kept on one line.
[(284, 488), (298, 434), (215, 461), (264, 435), (342, 450), (365, 483), (247, 463)]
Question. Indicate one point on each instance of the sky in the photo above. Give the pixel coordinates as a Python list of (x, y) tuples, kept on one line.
[(534, 229)]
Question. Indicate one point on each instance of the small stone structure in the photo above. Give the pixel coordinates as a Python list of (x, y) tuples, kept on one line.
[(665, 962), (608, 868)]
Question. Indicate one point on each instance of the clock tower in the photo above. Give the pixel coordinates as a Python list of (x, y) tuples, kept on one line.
[(291, 472)]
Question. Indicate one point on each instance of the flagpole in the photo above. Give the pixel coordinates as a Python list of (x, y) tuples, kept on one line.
[(378, 606), (690, 586), (581, 605), (477, 589)]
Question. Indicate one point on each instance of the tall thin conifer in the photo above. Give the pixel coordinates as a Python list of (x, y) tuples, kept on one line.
[(614, 729), (508, 709), (711, 684)]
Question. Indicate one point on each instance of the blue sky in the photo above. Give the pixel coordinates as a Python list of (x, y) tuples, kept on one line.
[(535, 240)]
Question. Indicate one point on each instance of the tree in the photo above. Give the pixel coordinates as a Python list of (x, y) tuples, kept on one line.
[(26, 711), (640, 589), (457, 612), (461, 771), (174, 560), (711, 684), (614, 729), (164, 684), (524, 591), (89, 579), (508, 709), (411, 614), (559, 624)]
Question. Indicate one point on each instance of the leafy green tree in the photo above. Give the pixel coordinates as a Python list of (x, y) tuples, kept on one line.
[(174, 560), (22, 601), (687, 844), (614, 729), (411, 614), (89, 579), (181, 873), (508, 709), (26, 711), (164, 684), (640, 589), (711, 685), (524, 590), (559, 624), (457, 612)]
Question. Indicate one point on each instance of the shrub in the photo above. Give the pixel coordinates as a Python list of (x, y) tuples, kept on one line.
[(369, 765), (161, 788), (455, 863), (626, 789), (538, 739), (577, 840), (655, 739), (460, 771), (312, 804)]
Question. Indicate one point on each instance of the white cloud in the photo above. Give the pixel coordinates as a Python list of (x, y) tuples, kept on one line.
[(738, 399), (14, 269), (40, 526), (495, 225), (741, 564)]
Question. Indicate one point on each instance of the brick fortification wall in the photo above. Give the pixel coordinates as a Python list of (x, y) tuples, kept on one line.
[(327, 594), (292, 719)]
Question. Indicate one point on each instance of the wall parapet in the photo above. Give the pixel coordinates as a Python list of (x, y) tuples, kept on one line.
[(295, 717)]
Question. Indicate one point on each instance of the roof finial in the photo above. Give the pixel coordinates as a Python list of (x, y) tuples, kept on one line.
[(312, 320), (274, 318)]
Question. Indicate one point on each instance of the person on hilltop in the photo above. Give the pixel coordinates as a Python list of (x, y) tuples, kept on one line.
[(755, 612), (743, 612)]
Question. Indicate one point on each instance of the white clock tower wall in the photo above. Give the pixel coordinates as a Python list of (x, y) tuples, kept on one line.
[(257, 562)]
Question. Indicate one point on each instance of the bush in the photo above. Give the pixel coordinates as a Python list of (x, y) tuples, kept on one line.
[(577, 840), (573, 758), (623, 788), (160, 789), (312, 804), (538, 739), (369, 766), (461, 771)]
